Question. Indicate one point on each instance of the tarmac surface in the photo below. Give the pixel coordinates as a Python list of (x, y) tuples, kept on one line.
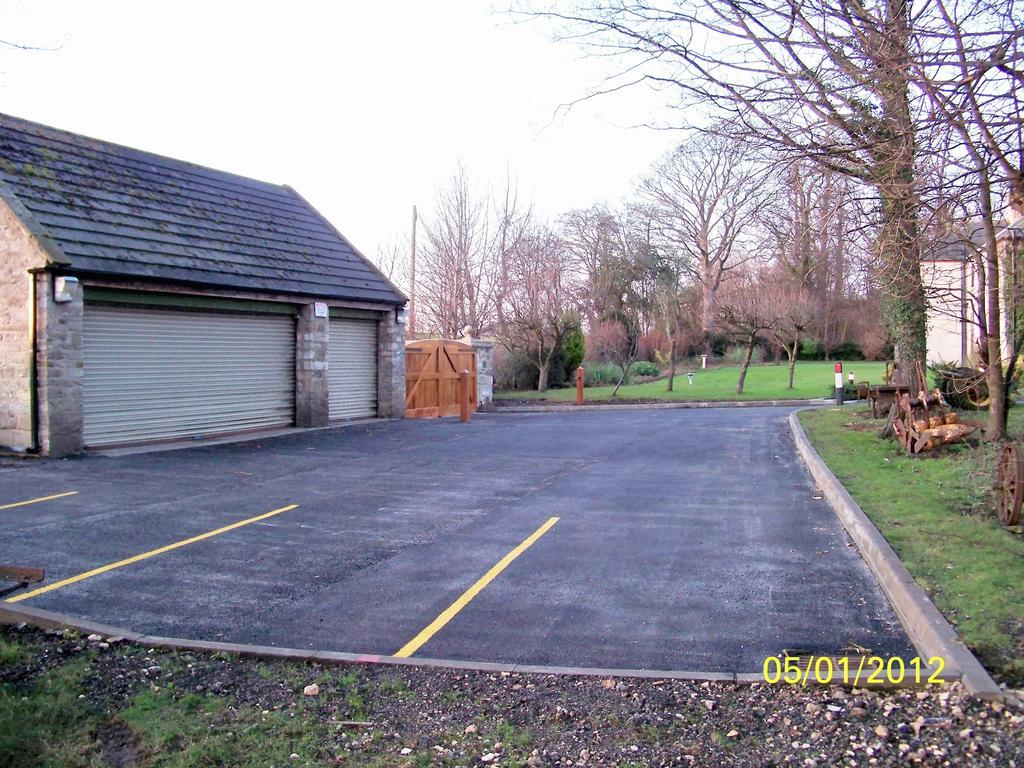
[(684, 540)]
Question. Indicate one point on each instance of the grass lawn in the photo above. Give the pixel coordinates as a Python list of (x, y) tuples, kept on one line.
[(938, 513), (764, 382)]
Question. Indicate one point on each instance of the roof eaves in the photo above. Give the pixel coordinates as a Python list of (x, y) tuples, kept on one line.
[(180, 282), (53, 252), (1014, 229)]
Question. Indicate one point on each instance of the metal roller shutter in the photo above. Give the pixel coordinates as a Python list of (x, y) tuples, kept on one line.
[(352, 368), (154, 374)]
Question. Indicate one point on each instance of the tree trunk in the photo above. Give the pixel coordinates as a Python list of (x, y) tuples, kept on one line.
[(996, 429), (746, 363), (622, 378), (671, 363), (707, 310), (903, 300), (542, 377), (894, 172), (791, 353)]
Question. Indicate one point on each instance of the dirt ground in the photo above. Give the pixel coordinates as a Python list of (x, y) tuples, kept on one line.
[(377, 715)]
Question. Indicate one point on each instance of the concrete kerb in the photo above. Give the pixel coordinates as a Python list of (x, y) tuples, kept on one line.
[(569, 407), (926, 627), (17, 614)]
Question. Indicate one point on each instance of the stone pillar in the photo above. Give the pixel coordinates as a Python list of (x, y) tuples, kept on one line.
[(60, 367), (484, 371), (312, 393), (390, 367)]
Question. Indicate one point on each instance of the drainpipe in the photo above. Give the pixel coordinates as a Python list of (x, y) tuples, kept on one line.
[(964, 351), (34, 367)]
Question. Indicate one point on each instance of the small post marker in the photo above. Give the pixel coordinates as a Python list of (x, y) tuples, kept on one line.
[(464, 396), (579, 385), (703, 362), (839, 384)]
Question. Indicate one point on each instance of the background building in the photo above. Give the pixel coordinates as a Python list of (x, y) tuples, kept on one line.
[(147, 299)]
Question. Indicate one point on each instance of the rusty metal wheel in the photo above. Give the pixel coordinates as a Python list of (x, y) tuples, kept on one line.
[(978, 396), (1010, 484)]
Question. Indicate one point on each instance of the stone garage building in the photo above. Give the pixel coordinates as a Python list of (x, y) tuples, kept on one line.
[(144, 299)]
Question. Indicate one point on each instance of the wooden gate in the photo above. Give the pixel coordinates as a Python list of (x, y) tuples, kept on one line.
[(432, 369)]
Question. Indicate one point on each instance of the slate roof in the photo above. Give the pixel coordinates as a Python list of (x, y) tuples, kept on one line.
[(965, 243), (117, 211), (956, 246)]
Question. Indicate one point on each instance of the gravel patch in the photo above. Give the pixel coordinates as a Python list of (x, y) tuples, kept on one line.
[(409, 716)]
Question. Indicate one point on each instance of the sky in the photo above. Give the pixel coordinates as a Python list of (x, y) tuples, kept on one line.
[(364, 108)]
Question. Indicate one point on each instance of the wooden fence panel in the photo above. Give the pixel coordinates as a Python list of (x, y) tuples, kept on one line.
[(432, 377)]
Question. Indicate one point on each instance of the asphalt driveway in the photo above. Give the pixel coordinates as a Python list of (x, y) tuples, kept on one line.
[(685, 540)]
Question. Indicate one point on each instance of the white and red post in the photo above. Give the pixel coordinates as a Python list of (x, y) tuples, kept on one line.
[(839, 384)]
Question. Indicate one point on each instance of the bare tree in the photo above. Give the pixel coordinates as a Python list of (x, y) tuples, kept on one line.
[(746, 315), (392, 259), (540, 299), (670, 307), (595, 240), (616, 341), (821, 238), (969, 68), (704, 196), (794, 310), (513, 224), (456, 271), (826, 80)]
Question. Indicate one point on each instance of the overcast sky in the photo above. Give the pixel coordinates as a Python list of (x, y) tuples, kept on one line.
[(363, 108)]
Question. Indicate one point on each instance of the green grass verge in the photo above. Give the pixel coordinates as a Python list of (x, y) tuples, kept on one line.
[(195, 730), (55, 725), (764, 382), (938, 513)]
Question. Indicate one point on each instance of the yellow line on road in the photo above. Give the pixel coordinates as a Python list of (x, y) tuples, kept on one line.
[(36, 501), (144, 555), (450, 612)]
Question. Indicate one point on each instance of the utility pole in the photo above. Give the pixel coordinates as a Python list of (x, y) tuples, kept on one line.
[(412, 297)]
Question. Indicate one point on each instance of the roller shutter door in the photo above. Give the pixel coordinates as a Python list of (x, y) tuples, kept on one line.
[(352, 368), (155, 374)]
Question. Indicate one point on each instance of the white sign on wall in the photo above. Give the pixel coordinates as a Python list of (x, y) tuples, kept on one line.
[(319, 309)]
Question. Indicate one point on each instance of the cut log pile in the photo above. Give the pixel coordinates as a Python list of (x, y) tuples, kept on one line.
[(925, 422)]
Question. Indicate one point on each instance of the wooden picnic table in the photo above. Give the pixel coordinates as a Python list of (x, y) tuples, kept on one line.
[(882, 397)]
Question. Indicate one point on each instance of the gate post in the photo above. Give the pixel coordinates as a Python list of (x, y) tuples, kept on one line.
[(464, 396), (579, 385)]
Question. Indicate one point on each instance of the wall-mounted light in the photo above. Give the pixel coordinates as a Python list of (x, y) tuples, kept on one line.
[(400, 315), (64, 289)]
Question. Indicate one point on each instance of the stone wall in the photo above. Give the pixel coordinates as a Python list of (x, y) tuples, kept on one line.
[(18, 254), (60, 368), (390, 367), (312, 392)]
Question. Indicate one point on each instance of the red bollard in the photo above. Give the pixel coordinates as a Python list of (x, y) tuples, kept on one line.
[(579, 385), (464, 396)]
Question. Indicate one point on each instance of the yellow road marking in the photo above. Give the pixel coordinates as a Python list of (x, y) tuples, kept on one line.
[(144, 555), (450, 612), (41, 498)]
